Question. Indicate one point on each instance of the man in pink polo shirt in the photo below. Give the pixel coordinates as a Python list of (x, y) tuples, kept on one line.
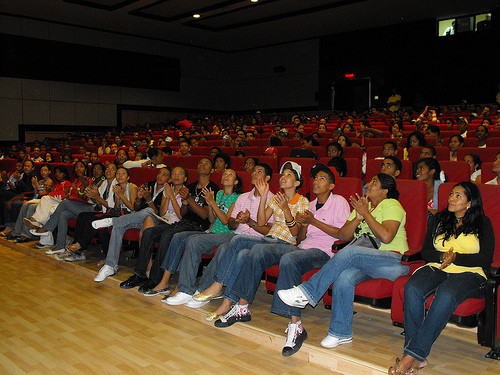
[(320, 226), (243, 221)]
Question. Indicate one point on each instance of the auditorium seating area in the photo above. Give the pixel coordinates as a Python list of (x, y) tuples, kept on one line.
[(484, 313)]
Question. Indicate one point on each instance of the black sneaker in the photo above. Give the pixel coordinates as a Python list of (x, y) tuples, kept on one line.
[(235, 315), (133, 281), (150, 284), (294, 339)]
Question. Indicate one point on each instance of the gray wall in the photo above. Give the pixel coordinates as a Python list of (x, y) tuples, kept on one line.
[(210, 80)]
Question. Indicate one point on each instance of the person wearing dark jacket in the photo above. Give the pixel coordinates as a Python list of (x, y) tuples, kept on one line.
[(23, 184)]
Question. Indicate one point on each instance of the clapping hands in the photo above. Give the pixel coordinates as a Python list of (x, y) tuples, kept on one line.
[(360, 204), (262, 187), (208, 194), (243, 217)]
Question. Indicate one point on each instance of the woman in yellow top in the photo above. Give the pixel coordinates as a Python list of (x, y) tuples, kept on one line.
[(458, 247)]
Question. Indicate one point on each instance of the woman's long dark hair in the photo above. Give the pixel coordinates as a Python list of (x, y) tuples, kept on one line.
[(238, 188), (471, 222)]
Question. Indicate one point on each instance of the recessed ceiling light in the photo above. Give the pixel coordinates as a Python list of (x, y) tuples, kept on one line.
[(196, 15), (254, 1)]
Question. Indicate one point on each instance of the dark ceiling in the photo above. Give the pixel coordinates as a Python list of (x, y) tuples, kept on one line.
[(235, 25)]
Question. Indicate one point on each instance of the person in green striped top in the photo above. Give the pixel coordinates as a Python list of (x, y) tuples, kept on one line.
[(220, 208)]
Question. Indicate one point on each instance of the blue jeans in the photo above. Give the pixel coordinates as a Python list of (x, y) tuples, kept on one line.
[(450, 289), (255, 263), (292, 266), (345, 270), (27, 210), (67, 209), (162, 233), (210, 271), (195, 244), (174, 252), (121, 224), (233, 260)]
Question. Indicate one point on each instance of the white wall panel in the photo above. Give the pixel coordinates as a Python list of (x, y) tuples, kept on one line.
[(86, 93), (107, 115), (109, 94), (36, 112), (86, 113), (11, 114), (62, 113), (34, 89), (11, 88), (62, 91)]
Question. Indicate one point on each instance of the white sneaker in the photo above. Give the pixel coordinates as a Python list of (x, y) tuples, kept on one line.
[(40, 245), (194, 304), (35, 233), (332, 342), (55, 251), (180, 298), (104, 272), (102, 223), (62, 257), (293, 297), (47, 239)]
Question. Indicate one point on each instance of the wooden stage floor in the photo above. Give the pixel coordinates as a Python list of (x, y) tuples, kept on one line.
[(55, 319)]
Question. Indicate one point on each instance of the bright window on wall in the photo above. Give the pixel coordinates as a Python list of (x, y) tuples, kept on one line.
[(462, 24)]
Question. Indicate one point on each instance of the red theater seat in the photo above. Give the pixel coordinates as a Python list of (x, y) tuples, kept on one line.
[(455, 171), (140, 176), (486, 154)]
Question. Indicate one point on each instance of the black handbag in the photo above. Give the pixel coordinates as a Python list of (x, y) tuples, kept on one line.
[(365, 240)]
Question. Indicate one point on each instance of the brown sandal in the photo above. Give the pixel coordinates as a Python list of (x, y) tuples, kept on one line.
[(395, 370), (72, 248)]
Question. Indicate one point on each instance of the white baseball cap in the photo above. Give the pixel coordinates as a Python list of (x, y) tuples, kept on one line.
[(292, 165)]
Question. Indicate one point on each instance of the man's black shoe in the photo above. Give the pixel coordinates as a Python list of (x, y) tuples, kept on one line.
[(133, 281)]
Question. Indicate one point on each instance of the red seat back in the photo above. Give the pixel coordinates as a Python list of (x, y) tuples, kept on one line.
[(486, 154), (486, 172), (107, 158), (237, 163), (200, 150), (455, 171), (353, 152), (413, 198), (140, 176), (348, 186)]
